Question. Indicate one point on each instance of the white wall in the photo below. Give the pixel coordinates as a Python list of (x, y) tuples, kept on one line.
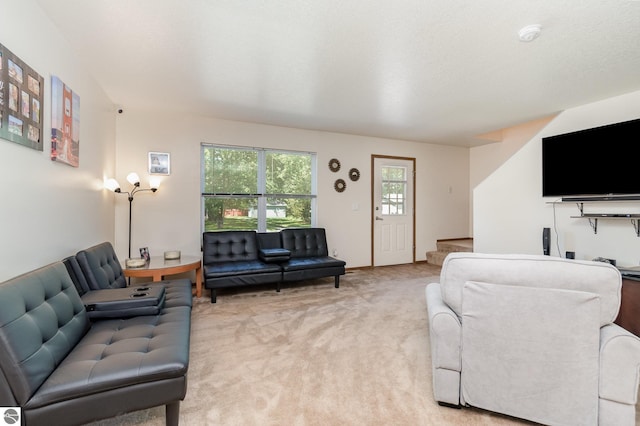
[(509, 211), (50, 210), (170, 219), (485, 159)]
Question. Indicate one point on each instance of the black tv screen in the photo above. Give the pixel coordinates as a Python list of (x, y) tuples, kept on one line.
[(599, 162)]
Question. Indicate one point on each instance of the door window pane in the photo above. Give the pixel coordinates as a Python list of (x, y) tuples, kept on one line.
[(394, 189)]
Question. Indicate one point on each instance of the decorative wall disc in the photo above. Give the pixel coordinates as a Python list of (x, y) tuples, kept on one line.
[(354, 174), (340, 185), (334, 165)]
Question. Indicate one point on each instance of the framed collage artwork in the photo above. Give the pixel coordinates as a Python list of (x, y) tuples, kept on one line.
[(21, 100)]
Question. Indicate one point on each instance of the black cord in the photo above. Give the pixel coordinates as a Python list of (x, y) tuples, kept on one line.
[(555, 227)]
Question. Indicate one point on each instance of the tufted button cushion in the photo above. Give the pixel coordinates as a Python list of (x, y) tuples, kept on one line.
[(41, 320), (229, 246), (119, 353), (305, 242), (101, 267)]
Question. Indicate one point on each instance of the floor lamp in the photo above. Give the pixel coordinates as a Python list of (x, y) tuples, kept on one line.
[(134, 180)]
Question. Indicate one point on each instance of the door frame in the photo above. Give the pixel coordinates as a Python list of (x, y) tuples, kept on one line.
[(373, 203)]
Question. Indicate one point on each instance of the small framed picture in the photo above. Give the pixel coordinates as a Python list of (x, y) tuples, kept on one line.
[(159, 163), (144, 253)]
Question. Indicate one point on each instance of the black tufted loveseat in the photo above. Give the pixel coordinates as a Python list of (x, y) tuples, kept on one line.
[(243, 258), (60, 368)]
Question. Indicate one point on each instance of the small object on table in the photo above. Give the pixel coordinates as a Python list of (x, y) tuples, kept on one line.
[(171, 255), (144, 253), (135, 263)]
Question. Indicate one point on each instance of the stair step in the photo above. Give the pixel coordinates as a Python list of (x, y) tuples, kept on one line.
[(465, 244), (436, 257), (444, 247)]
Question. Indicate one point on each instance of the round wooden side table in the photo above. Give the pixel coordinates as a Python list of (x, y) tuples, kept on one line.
[(157, 268)]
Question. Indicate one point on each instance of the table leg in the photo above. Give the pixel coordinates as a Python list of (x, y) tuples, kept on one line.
[(199, 281)]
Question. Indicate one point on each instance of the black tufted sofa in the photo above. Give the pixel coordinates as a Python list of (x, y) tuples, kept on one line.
[(242, 258), (61, 368)]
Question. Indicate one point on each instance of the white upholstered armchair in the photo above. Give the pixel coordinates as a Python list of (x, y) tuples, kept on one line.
[(533, 337)]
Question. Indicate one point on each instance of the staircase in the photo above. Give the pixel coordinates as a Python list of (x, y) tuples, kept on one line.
[(444, 247)]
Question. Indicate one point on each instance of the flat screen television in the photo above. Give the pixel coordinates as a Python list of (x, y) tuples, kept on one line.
[(602, 163)]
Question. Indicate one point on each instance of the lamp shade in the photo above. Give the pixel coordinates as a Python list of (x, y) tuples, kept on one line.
[(133, 178), (154, 184), (112, 185)]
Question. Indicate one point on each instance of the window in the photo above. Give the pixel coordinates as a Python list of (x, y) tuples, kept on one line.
[(394, 190), (257, 189)]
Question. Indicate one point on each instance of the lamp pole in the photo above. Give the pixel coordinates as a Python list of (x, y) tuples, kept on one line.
[(130, 209), (133, 178), (136, 188)]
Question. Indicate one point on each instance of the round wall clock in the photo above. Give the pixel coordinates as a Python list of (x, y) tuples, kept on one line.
[(334, 165), (354, 174), (340, 185)]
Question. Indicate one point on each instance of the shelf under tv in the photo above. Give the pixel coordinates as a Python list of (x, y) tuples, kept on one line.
[(607, 197), (593, 217), (609, 215)]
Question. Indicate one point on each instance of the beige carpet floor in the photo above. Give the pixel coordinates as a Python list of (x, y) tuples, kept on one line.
[(316, 355)]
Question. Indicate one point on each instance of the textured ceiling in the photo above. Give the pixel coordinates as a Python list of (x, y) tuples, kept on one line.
[(437, 71)]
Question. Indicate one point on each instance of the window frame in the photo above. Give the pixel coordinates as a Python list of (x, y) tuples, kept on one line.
[(261, 195)]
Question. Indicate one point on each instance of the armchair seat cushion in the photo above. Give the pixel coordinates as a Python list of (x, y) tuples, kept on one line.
[(300, 263), (178, 292), (241, 267)]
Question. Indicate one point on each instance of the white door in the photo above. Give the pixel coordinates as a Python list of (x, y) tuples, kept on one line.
[(393, 210)]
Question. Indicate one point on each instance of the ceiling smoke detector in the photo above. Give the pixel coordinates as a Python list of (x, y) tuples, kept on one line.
[(529, 33)]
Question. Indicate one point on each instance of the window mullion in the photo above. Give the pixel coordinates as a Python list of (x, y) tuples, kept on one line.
[(262, 189), (288, 195)]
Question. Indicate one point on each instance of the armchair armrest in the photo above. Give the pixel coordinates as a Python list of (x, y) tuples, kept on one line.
[(445, 332), (274, 255), (619, 365), (444, 329)]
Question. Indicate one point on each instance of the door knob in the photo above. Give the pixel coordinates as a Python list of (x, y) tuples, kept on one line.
[(379, 218)]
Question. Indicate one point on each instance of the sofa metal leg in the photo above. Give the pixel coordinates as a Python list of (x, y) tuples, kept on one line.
[(337, 281), (213, 296), (449, 405), (172, 413), (278, 287)]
